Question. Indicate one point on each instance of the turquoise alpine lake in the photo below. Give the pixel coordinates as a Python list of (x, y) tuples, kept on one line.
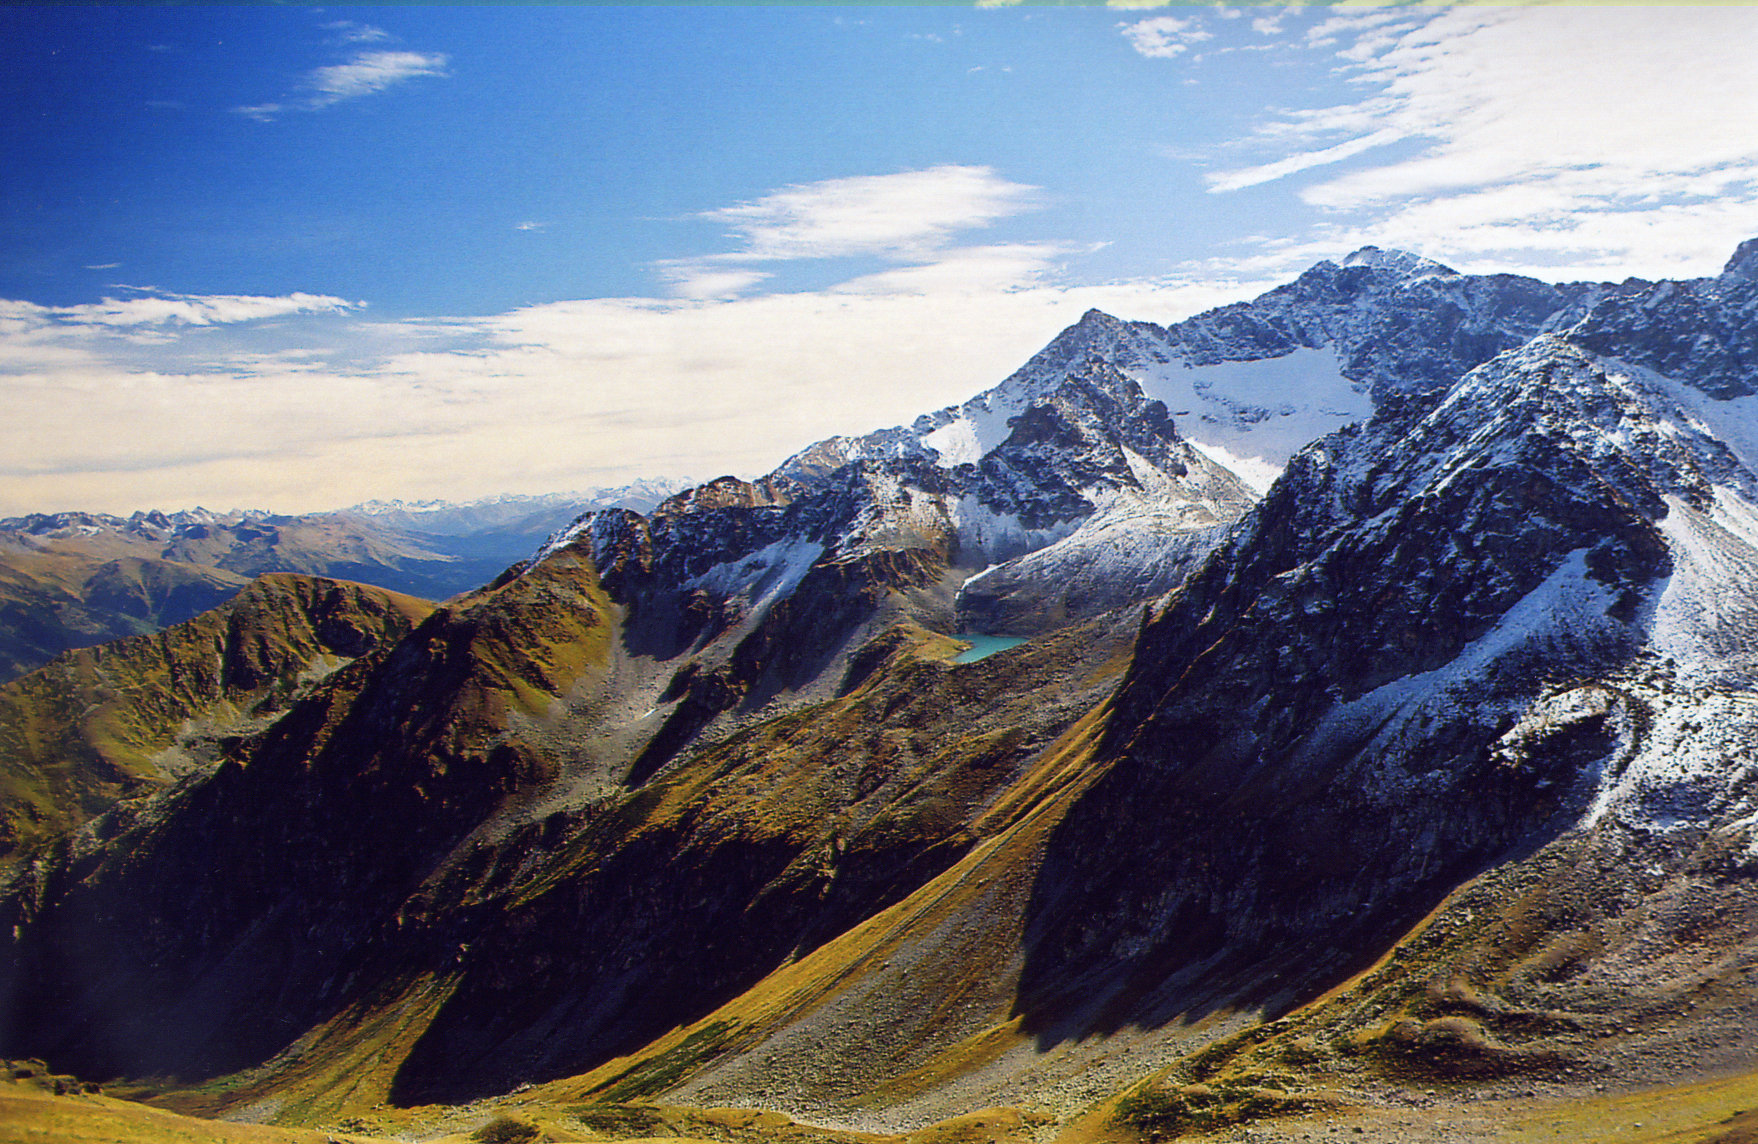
[(982, 647)]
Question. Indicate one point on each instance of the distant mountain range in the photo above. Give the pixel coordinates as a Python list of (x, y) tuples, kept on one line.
[(1384, 756), (74, 579)]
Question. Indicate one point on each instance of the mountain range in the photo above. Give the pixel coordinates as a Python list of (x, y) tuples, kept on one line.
[(75, 579), (1375, 752)]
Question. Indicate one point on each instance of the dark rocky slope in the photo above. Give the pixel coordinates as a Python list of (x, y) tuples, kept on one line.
[(144, 955), (1431, 649)]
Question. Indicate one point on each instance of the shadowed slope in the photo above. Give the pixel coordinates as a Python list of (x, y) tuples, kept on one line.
[(594, 934), (123, 717), (143, 954)]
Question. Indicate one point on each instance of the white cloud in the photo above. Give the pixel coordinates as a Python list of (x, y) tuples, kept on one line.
[(1357, 23), (366, 73), (1281, 168), (151, 398), (902, 215), (702, 280), (357, 33), (153, 308), (909, 217), (373, 71), (1165, 36), (1534, 138)]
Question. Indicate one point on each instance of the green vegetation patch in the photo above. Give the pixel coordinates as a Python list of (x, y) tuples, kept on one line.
[(506, 1130), (621, 1121), (1158, 1111), (669, 1069)]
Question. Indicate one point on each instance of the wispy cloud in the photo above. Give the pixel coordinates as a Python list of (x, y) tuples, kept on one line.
[(1165, 36), (697, 279), (1268, 25), (153, 308), (893, 215), (1527, 138), (910, 217), (372, 71), (1305, 160), (364, 74), (357, 33)]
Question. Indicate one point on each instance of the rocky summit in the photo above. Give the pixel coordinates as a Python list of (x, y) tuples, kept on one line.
[(1372, 752)]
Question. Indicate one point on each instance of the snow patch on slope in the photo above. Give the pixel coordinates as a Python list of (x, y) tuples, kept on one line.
[(767, 574), (1567, 609), (1251, 416), (1256, 473), (984, 533), (1697, 754), (1734, 421), (980, 426), (1707, 614)]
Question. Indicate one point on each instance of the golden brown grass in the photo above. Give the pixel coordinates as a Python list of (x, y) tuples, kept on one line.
[(29, 1115)]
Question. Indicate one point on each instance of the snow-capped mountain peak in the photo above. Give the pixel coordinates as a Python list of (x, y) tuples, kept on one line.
[(1407, 266)]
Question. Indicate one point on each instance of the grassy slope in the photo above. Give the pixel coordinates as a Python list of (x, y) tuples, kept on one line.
[(329, 819), (919, 992), (51, 601), (1497, 988), (32, 1112), (939, 781), (955, 933), (95, 724)]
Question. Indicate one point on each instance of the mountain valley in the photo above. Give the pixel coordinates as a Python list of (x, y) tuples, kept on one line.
[(1379, 764)]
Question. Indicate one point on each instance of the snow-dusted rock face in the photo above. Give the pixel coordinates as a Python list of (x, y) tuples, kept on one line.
[(1703, 332), (1254, 382), (1005, 515), (1106, 467), (1487, 616), (972, 492)]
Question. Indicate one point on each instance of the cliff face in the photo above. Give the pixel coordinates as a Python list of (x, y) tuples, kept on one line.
[(1409, 663)]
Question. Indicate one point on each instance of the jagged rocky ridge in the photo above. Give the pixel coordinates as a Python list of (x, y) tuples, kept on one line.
[(1502, 625), (758, 592), (1050, 520)]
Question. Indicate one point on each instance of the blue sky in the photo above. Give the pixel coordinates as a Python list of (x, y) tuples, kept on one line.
[(293, 258)]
